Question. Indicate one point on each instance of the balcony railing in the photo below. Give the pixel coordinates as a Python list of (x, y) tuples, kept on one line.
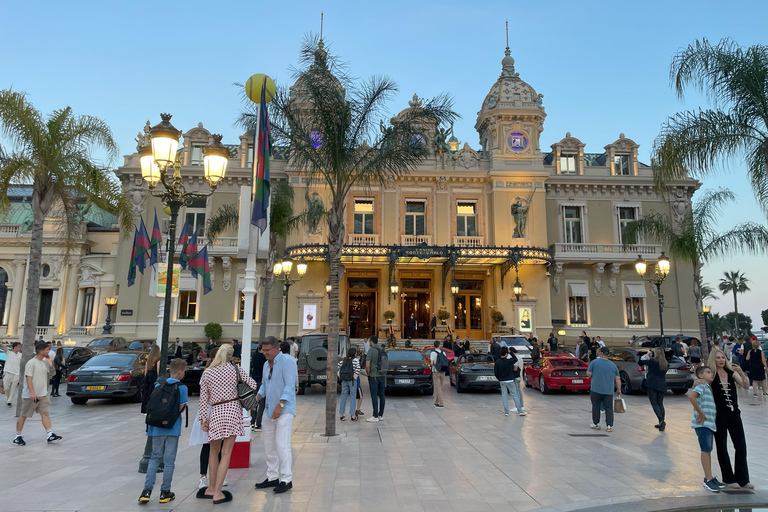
[(220, 245), (360, 239), (9, 230), (406, 240), (468, 241), (608, 252), (78, 331), (43, 331)]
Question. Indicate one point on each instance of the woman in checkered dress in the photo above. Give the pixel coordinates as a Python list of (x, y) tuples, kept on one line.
[(218, 388)]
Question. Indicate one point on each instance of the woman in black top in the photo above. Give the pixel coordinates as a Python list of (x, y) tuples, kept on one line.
[(656, 384), (151, 367), (59, 366), (754, 362), (728, 420)]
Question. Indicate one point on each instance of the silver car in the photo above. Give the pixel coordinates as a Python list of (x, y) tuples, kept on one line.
[(521, 345), (679, 376)]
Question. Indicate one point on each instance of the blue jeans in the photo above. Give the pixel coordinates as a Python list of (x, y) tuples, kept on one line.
[(348, 388), (164, 450), (512, 387), (377, 394)]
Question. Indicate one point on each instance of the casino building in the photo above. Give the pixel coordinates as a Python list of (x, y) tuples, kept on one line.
[(533, 233)]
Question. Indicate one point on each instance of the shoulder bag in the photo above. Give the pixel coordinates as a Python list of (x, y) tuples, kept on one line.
[(246, 395)]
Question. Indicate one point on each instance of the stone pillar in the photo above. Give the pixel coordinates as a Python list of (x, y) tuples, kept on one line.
[(18, 284), (71, 304), (96, 305)]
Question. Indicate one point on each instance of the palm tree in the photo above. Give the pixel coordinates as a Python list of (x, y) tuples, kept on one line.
[(695, 241), (54, 155), (707, 292), (700, 141), (718, 325), (734, 282), (330, 126), (282, 222)]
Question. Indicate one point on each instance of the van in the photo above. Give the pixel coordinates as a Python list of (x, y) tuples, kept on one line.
[(313, 357)]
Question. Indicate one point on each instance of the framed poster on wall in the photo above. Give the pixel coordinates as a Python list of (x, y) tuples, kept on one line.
[(309, 317), (525, 319)]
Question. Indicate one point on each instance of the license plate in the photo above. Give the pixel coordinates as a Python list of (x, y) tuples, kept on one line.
[(486, 377), (672, 372), (321, 377), (403, 381), (577, 381), (95, 388)]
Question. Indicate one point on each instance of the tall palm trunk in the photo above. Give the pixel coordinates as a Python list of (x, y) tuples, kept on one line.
[(335, 248), (736, 311), (269, 282), (39, 209), (700, 309)]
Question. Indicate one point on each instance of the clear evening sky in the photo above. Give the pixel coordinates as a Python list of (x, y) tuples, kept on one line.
[(603, 66)]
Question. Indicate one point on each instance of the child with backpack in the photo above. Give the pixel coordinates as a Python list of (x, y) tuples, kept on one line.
[(349, 369), (164, 409)]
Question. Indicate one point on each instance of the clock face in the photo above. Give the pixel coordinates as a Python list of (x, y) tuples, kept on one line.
[(517, 141)]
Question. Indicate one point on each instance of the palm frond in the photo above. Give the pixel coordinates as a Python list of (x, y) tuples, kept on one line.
[(226, 217), (746, 238)]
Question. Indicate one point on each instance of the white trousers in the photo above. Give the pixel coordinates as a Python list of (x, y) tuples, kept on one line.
[(277, 446), (10, 382)]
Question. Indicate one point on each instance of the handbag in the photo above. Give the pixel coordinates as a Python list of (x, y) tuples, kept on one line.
[(619, 406), (245, 393)]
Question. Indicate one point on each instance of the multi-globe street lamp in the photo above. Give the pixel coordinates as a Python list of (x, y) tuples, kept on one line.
[(282, 271), (660, 273)]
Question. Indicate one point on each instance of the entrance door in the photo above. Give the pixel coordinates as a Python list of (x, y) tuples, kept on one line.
[(416, 303), (362, 314), (468, 310)]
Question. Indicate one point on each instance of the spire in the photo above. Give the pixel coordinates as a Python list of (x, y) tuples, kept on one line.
[(508, 63), (320, 53)]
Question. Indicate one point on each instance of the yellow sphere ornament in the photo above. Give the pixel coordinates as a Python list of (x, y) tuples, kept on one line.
[(253, 88), (167, 210)]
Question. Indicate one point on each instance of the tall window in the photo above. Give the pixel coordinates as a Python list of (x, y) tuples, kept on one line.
[(187, 304), (46, 307), (621, 165), (635, 310), (197, 155), (567, 164), (573, 228), (578, 305), (363, 221), (86, 313), (414, 218), (196, 218), (466, 218), (241, 307), (626, 215), (249, 160)]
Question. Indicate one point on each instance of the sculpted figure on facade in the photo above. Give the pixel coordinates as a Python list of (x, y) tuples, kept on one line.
[(143, 139), (226, 265), (315, 209), (466, 157), (441, 139), (520, 214)]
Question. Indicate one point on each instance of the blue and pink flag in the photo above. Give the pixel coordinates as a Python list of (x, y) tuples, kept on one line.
[(262, 149), (142, 248), (199, 265), (132, 266), (154, 242)]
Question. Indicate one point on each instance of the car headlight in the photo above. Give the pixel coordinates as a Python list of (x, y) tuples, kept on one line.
[(464, 369)]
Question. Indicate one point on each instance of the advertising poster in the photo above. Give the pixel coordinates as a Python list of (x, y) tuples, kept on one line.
[(162, 276), (524, 325), (309, 317)]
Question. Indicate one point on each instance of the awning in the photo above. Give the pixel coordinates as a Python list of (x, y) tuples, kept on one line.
[(635, 290), (579, 290)]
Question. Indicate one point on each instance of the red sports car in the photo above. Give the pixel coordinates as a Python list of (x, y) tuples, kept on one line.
[(559, 373), (449, 354)]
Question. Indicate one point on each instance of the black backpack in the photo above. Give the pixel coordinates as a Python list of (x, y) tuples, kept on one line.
[(163, 408), (382, 362), (347, 371), (441, 364)]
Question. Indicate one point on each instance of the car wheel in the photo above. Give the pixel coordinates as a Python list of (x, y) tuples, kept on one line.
[(527, 383), (79, 401), (429, 392), (626, 384), (301, 390), (458, 387), (679, 391), (543, 385)]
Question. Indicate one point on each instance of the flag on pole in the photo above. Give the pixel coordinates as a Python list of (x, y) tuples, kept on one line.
[(154, 242), (183, 241), (198, 265), (188, 252), (142, 248), (262, 148), (132, 266)]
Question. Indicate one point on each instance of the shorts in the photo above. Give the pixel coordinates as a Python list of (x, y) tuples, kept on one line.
[(29, 408), (359, 390), (706, 436)]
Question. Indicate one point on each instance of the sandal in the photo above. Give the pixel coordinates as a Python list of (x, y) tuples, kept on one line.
[(201, 494), (342, 417), (227, 498)]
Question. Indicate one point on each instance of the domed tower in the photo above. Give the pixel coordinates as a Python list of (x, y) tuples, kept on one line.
[(512, 118), (320, 72)]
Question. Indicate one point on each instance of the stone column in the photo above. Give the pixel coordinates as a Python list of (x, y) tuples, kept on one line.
[(71, 305), (18, 284), (96, 305)]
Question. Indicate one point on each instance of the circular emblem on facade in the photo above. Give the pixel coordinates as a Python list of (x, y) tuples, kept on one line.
[(517, 141)]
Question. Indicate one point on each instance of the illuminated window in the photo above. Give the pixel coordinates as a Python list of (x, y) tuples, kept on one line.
[(187, 304), (241, 309), (363, 217), (567, 164)]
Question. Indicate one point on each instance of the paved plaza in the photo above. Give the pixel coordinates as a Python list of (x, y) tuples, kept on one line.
[(466, 457)]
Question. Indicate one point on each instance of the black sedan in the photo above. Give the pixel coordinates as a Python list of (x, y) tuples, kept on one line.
[(113, 375), (409, 370), (473, 371)]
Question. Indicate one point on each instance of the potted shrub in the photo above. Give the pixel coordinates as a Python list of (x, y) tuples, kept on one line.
[(389, 315), (443, 315), (212, 330), (496, 316)]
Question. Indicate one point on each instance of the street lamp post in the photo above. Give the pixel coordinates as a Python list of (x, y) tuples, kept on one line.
[(110, 303), (706, 309), (157, 160), (284, 269), (660, 273)]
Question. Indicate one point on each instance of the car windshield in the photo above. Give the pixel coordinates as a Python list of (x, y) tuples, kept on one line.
[(310, 342), (136, 345), (405, 355), (515, 341), (111, 360), (561, 363), (67, 351), (100, 343)]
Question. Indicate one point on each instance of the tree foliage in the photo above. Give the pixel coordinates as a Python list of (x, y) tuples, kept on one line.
[(745, 323), (734, 282)]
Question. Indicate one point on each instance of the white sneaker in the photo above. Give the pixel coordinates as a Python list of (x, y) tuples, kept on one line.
[(372, 419), (381, 418), (523, 413), (203, 482), (594, 426), (609, 428), (514, 409)]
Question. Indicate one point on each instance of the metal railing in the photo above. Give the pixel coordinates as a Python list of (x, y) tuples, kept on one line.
[(361, 239), (410, 240)]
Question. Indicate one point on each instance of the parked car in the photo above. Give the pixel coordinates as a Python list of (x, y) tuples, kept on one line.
[(107, 344), (665, 342), (140, 345), (473, 371), (312, 357), (557, 373), (192, 376), (679, 376), (409, 369), (75, 357), (189, 352), (112, 375), (449, 354), (521, 344)]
